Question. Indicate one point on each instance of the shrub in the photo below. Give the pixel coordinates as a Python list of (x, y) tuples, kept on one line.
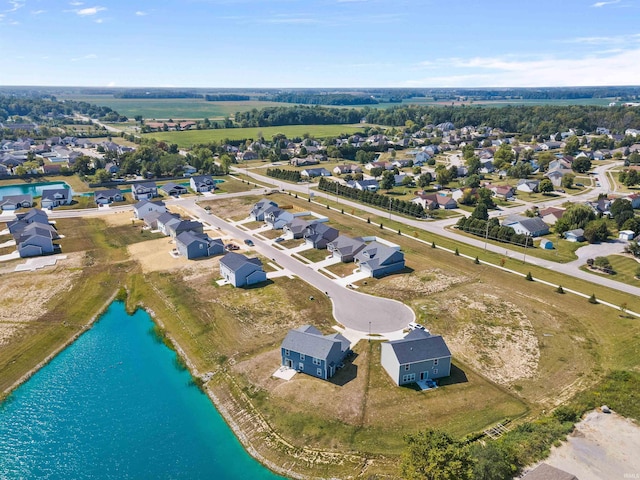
[(593, 299)]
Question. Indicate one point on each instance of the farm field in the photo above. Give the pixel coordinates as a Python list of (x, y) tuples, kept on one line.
[(192, 137), (175, 108)]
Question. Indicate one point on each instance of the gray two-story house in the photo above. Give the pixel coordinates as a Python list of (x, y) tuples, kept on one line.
[(202, 183), (378, 260), (307, 350), (418, 356), (197, 245), (241, 271), (144, 191)]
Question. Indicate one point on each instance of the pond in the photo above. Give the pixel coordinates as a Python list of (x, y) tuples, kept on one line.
[(35, 189), (116, 404)]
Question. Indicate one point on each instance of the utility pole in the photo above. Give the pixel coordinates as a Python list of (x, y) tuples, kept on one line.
[(390, 200), (526, 241), (486, 236)]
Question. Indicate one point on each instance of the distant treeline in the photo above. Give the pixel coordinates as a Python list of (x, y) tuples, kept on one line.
[(226, 97), (527, 120), (304, 98), (291, 175), (40, 109), (154, 94)]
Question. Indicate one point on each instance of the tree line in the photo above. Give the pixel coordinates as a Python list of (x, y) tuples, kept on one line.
[(290, 175), (305, 98), (385, 202)]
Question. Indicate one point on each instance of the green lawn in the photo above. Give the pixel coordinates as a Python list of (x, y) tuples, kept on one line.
[(192, 137), (625, 268)]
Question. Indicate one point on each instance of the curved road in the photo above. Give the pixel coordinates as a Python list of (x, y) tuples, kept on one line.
[(355, 310)]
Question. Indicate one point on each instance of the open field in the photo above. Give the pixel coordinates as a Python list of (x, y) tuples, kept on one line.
[(192, 137), (174, 108)]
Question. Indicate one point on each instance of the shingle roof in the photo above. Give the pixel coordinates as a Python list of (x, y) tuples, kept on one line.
[(310, 341), (547, 472), (234, 261), (418, 346), (346, 245)]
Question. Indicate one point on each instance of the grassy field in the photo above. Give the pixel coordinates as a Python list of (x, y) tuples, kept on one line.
[(625, 268), (174, 108), (192, 137)]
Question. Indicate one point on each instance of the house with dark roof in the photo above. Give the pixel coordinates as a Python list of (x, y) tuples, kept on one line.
[(145, 207), (191, 244), (33, 234), (176, 228), (378, 259), (315, 172), (433, 201), (173, 189), (261, 208), (345, 248), (241, 271), (202, 183), (418, 356), (144, 191), (307, 350), (545, 471), (14, 202), (278, 218), (533, 227), (318, 235), (105, 197), (551, 215), (296, 227), (165, 221), (54, 197)]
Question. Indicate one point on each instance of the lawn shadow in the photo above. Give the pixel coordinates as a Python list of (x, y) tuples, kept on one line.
[(347, 373), (266, 283), (457, 376)]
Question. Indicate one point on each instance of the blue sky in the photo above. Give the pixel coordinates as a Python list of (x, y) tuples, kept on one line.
[(320, 43)]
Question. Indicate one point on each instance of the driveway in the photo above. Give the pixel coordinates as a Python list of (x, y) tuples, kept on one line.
[(598, 250), (354, 310)]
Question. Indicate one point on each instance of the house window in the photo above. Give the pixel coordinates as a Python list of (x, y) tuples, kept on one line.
[(319, 372), (410, 377), (435, 362), (302, 357), (435, 371), (407, 367), (286, 352), (316, 361), (300, 366)]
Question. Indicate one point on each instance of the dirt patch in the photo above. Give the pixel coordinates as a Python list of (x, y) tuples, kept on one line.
[(424, 282), (119, 219), (499, 340), (602, 446), (24, 295), (230, 207)]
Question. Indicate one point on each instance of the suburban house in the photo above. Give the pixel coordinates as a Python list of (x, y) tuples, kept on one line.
[(278, 218), (346, 168), (551, 215), (627, 235), (533, 227), (165, 221), (527, 186), (576, 235), (296, 227), (196, 245), (503, 191), (105, 197), (556, 176), (261, 208), (379, 260), (33, 234), (345, 248), (370, 185), (418, 356), (202, 183), (54, 197), (241, 271), (306, 350), (144, 191), (433, 201), (145, 207), (14, 202), (173, 189), (318, 235), (315, 172), (176, 228)]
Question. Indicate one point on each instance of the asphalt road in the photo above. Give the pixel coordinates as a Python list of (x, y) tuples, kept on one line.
[(440, 228), (352, 309)]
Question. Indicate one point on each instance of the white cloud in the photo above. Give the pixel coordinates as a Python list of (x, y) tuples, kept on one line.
[(612, 40), (38, 12), (602, 4), (76, 4), (90, 56), (140, 13), (111, 84), (15, 5), (90, 11), (618, 68)]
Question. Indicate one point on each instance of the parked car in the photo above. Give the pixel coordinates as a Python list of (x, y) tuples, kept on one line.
[(249, 242), (579, 184), (415, 326), (279, 239), (231, 246)]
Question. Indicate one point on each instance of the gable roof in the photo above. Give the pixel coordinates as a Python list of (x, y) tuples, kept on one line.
[(309, 341), (418, 346), (235, 261), (346, 245), (376, 254), (545, 471)]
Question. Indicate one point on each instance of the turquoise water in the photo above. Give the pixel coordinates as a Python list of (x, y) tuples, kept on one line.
[(114, 405), (34, 189)]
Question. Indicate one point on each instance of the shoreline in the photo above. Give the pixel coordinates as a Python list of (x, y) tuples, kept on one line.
[(24, 378)]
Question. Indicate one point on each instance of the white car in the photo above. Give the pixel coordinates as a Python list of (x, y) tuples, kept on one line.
[(416, 326)]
